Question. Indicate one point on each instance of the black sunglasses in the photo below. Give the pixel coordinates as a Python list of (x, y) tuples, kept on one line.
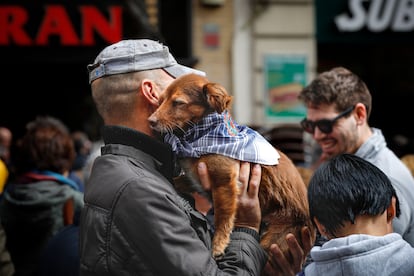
[(324, 125)]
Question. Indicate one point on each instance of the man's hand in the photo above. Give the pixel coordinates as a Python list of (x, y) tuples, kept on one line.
[(248, 210), (204, 177), (278, 263)]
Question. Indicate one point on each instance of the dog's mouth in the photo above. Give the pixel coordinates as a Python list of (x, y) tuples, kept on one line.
[(164, 129)]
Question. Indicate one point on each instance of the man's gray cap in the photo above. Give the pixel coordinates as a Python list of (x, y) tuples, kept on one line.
[(136, 55)]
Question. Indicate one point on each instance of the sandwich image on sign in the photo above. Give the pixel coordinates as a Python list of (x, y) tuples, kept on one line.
[(284, 98), (194, 117)]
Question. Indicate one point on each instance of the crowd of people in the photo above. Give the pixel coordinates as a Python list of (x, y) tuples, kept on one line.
[(39, 198), (123, 216)]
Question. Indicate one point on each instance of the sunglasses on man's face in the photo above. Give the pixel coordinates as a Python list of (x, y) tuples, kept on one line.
[(324, 125)]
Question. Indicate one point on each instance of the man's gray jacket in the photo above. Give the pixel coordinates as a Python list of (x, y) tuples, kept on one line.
[(375, 150), (135, 223)]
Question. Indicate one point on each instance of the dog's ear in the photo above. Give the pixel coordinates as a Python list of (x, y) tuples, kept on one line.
[(217, 96)]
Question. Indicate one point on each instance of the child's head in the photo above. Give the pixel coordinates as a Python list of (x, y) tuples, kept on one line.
[(345, 187)]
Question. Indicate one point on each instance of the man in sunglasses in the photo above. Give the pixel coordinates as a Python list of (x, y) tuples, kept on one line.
[(338, 107)]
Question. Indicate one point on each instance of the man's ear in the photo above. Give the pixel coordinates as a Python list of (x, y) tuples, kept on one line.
[(320, 227), (150, 91), (391, 210), (361, 113), (391, 213)]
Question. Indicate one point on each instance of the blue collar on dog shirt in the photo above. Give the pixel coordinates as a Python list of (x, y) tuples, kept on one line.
[(219, 134)]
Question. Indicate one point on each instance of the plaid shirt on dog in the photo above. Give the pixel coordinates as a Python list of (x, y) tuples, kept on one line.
[(217, 133)]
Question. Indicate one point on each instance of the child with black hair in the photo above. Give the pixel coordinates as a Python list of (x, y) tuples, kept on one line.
[(353, 203)]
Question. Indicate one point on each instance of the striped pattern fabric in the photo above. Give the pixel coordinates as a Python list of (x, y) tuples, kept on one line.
[(219, 134)]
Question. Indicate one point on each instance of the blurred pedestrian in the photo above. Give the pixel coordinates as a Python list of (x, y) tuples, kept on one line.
[(6, 138), (41, 200), (94, 152), (6, 264), (4, 175), (83, 146), (408, 160), (61, 254)]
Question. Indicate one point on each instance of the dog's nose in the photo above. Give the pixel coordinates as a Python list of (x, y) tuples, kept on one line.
[(152, 121)]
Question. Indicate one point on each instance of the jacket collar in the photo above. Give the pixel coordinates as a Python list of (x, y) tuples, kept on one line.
[(129, 137)]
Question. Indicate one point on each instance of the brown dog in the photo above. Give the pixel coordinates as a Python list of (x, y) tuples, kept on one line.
[(282, 193)]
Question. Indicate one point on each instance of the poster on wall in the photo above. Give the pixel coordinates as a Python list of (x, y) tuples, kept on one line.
[(285, 76)]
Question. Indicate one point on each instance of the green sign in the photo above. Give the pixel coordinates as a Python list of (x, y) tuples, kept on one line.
[(285, 76)]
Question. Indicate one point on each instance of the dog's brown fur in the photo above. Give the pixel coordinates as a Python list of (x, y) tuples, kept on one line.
[(282, 193)]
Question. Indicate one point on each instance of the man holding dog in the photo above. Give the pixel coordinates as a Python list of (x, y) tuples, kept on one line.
[(338, 107), (134, 222)]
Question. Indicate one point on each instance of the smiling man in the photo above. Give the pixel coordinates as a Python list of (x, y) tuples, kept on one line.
[(338, 107)]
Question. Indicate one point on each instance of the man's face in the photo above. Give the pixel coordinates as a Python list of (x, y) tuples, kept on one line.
[(343, 135)]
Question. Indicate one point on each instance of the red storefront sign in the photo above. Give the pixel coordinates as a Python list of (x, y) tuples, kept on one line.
[(55, 21)]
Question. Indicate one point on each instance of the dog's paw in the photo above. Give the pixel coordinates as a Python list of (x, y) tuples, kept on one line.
[(217, 255)]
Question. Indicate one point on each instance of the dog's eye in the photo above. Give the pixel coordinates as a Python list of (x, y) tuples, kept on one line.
[(178, 102)]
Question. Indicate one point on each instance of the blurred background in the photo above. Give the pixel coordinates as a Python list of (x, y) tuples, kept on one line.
[(262, 51)]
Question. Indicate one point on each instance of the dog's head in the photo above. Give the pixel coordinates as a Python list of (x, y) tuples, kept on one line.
[(185, 101)]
